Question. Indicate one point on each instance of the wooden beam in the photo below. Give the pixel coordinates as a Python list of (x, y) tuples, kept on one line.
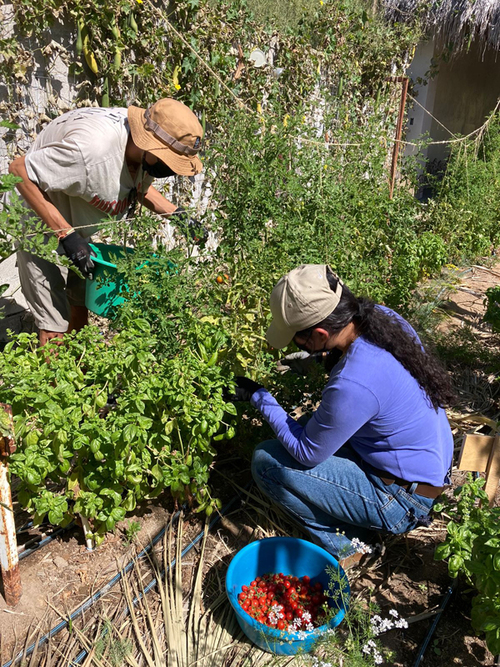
[(481, 453), (493, 471), (9, 560), (475, 452)]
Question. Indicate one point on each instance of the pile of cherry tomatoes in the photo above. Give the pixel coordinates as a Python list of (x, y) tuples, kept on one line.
[(284, 602)]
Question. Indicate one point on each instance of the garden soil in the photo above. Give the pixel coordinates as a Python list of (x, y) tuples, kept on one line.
[(60, 576)]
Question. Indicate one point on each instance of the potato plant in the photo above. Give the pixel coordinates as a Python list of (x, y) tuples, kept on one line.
[(102, 425)]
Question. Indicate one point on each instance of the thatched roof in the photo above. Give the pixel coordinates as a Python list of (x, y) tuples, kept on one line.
[(455, 22)]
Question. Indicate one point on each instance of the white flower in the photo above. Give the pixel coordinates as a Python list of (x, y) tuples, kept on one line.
[(302, 634), (306, 617), (394, 613), (401, 623), (273, 619), (361, 547), (377, 658)]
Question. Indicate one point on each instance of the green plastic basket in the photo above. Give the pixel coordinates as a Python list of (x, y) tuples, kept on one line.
[(104, 291)]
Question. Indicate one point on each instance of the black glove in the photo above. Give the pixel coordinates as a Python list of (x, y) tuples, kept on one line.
[(189, 226), (299, 363), (245, 388), (80, 253)]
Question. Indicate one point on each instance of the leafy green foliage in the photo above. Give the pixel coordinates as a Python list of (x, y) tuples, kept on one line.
[(472, 548), (111, 423), (15, 218), (492, 302)]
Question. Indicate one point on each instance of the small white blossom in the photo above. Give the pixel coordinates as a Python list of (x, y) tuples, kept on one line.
[(394, 613), (401, 623), (361, 547), (306, 617)]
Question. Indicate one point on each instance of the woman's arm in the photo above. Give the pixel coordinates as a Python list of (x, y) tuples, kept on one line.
[(345, 407)]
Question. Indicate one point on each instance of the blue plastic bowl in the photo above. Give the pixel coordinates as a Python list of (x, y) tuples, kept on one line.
[(291, 556)]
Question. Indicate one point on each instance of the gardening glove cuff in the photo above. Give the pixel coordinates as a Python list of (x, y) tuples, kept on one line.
[(190, 227), (79, 252), (244, 390)]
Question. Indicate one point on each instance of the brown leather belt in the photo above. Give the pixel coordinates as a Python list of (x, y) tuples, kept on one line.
[(426, 490)]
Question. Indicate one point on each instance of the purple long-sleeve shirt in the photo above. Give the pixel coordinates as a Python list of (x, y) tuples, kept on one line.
[(374, 403)]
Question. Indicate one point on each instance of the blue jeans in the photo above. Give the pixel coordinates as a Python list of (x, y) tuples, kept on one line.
[(338, 499)]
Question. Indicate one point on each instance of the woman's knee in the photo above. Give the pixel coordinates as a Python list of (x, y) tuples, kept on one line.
[(264, 456)]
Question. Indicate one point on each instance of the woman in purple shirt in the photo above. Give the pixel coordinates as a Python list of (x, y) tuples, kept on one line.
[(377, 451)]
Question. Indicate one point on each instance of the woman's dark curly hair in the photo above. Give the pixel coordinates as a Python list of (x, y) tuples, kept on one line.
[(386, 331)]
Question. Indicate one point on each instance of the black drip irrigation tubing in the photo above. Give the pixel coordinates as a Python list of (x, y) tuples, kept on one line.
[(154, 581), (92, 600), (88, 603), (425, 644), (38, 545)]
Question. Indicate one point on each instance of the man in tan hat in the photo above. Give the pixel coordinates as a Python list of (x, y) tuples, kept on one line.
[(85, 166)]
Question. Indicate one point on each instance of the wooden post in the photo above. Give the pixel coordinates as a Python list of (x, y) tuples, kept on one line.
[(9, 560), (481, 453), (399, 130)]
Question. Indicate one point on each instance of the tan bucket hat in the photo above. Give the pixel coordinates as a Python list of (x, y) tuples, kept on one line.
[(170, 131), (300, 300)]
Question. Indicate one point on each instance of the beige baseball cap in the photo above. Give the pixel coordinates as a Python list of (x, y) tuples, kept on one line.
[(300, 300), (170, 131)]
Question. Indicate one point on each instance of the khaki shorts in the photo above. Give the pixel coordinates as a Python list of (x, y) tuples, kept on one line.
[(50, 291)]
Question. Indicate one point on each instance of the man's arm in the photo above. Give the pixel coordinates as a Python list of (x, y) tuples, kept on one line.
[(75, 247), (37, 199), (189, 226), (157, 203)]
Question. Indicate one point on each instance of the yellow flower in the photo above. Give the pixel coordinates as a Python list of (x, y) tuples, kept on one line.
[(320, 2), (259, 108), (285, 120), (177, 87), (139, 2)]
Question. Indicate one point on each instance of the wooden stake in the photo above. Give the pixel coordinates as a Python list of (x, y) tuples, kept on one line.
[(399, 130), (9, 560)]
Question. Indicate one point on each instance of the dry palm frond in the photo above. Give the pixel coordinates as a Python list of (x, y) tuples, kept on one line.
[(452, 20), (174, 629)]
